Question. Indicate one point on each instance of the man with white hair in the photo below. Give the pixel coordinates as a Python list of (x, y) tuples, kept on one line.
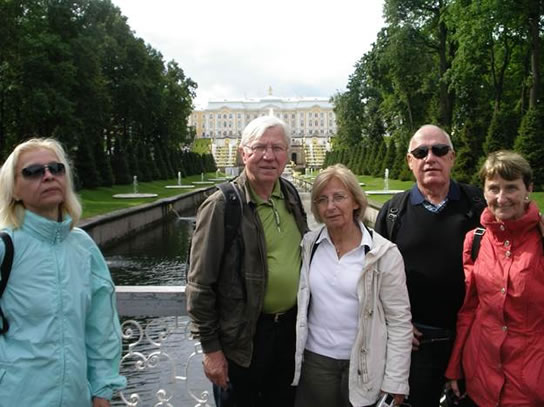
[(241, 294), (428, 223)]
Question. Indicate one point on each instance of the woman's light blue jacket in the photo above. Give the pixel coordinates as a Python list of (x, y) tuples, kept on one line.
[(63, 346)]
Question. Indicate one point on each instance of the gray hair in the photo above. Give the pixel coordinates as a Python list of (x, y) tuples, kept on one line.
[(256, 128), (12, 210), (431, 127)]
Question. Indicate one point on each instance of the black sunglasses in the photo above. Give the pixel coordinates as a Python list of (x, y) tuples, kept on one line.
[(439, 150), (38, 170)]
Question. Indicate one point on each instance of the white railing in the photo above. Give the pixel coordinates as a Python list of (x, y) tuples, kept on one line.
[(162, 362)]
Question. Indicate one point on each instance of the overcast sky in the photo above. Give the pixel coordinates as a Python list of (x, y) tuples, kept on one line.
[(238, 48)]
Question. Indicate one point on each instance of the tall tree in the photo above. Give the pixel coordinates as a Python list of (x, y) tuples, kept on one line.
[(429, 19)]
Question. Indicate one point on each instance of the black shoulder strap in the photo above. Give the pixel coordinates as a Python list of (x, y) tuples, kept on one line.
[(314, 246), (233, 212), (294, 191), (5, 270), (477, 202), (396, 207), (288, 186), (477, 239)]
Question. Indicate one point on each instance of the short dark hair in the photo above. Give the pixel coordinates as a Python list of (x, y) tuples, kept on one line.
[(508, 165)]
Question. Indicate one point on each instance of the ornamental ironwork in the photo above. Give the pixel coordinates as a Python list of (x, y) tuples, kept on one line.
[(163, 365)]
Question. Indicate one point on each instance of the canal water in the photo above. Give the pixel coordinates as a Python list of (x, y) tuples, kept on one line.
[(157, 256)]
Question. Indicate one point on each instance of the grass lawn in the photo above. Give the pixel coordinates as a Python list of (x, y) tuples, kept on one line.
[(100, 200)]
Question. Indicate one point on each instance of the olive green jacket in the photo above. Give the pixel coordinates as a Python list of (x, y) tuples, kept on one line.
[(225, 291)]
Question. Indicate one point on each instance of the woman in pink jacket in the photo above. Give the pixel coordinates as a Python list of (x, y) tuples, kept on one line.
[(499, 349)]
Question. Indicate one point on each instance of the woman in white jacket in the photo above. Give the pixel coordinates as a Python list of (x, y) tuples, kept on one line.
[(354, 332)]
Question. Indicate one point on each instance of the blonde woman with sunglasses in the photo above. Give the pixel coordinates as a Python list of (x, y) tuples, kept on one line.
[(61, 340)]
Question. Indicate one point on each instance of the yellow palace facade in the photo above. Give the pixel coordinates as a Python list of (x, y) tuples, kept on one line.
[(311, 120)]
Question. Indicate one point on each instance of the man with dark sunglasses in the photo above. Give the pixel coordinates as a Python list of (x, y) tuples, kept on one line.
[(428, 223)]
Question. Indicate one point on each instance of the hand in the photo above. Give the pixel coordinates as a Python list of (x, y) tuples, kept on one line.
[(100, 402), (216, 368), (454, 386), (399, 398), (416, 339)]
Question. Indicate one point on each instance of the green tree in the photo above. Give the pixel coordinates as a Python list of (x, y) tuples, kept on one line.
[(87, 174), (120, 166), (529, 143), (103, 163)]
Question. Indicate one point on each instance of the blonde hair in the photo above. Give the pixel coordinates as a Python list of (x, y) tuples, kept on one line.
[(508, 165), (11, 210), (350, 181)]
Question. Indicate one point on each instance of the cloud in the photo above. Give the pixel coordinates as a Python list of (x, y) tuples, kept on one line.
[(239, 48)]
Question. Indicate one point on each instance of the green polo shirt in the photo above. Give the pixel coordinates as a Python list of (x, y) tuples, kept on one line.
[(283, 251)]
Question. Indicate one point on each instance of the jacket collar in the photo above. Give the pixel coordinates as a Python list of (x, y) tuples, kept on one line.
[(243, 183), (378, 246), (513, 227), (45, 229), (366, 241)]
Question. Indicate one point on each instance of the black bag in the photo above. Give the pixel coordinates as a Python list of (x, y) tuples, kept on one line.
[(5, 270)]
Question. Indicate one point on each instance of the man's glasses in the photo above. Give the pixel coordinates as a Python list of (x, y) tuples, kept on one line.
[(263, 148), (335, 199), (438, 150), (36, 171)]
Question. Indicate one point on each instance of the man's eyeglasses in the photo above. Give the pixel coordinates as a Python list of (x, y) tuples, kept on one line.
[(335, 199), (438, 150), (36, 171), (263, 148)]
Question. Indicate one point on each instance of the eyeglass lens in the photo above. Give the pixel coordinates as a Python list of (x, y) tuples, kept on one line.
[(438, 150), (38, 170), (336, 198), (262, 148)]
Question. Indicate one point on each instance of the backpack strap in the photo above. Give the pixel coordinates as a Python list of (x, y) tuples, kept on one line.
[(397, 206), (477, 202), (233, 212), (478, 233), (234, 208), (294, 191), (314, 246), (5, 270)]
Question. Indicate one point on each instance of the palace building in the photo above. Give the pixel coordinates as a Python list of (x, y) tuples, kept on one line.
[(311, 120)]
